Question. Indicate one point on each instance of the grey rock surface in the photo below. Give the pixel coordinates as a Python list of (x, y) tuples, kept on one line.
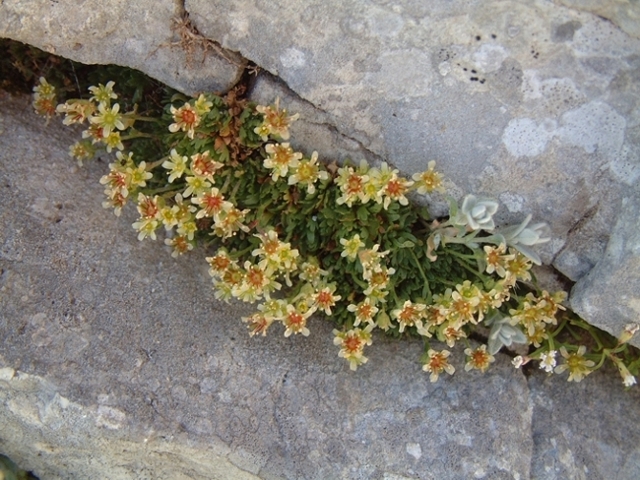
[(140, 35), (528, 102), (137, 340), (533, 102), (608, 294), (117, 362), (607, 443), (624, 13)]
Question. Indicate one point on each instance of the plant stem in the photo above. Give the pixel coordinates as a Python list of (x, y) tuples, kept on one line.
[(424, 277)]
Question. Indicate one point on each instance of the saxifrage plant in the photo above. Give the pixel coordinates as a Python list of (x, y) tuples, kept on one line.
[(298, 236)]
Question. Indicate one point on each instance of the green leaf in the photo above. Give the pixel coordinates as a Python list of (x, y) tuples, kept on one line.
[(363, 213)]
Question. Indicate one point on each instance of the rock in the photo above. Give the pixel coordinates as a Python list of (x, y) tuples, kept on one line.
[(606, 443), (624, 13), (532, 103), (117, 362), (535, 103), (313, 130), (137, 35), (608, 295)]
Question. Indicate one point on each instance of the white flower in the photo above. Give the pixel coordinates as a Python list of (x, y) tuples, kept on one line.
[(548, 361), (518, 361)]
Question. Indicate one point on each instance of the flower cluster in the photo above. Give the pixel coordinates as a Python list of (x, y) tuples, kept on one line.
[(44, 98), (299, 237)]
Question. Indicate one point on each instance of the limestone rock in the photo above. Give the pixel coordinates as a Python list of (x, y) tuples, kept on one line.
[(116, 362), (530, 102), (608, 295), (624, 13), (116, 358), (139, 35), (606, 443)]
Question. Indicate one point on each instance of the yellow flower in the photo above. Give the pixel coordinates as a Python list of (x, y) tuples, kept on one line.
[(389, 186), (202, 105), (352, 184), (177, 165), (311, 271), (370, 259), (82, 150), (296, 321), (519, 267), (351, 247), (379, 279), (148, 207), (76, 111), (307, 173), (497, 259), (365, 311), (139, 174), (258, 323), (409, 315), (450, 333), (276, 122), (180, 244), (325, 298), (428, 181), (352, 343), (112, 141), (108, 118), (44, 89), (103, 93), (44, 98), (255, 284), (220, 262), (211, 203), (437, 364), (229, 221), (185, 118), (203, 165), (579, 367), (478, 358), (281, 158), (146, 228), (196, 186)]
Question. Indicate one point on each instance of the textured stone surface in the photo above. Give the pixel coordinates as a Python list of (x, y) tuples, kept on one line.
[(313, 130), (624, 13), (116, 362), (534, 102), (609, 293), (139, 35), (585, 431), (136, 343), (530, 102)]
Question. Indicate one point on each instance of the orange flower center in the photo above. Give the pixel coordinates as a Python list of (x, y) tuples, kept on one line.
[(188, 117), (255, 277), (325, 298), (221, 263), (395, 188), (352, 344), (354, 184)]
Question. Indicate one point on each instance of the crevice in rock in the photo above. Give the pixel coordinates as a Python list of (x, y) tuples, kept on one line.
[(190, 39), (372, 156)]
